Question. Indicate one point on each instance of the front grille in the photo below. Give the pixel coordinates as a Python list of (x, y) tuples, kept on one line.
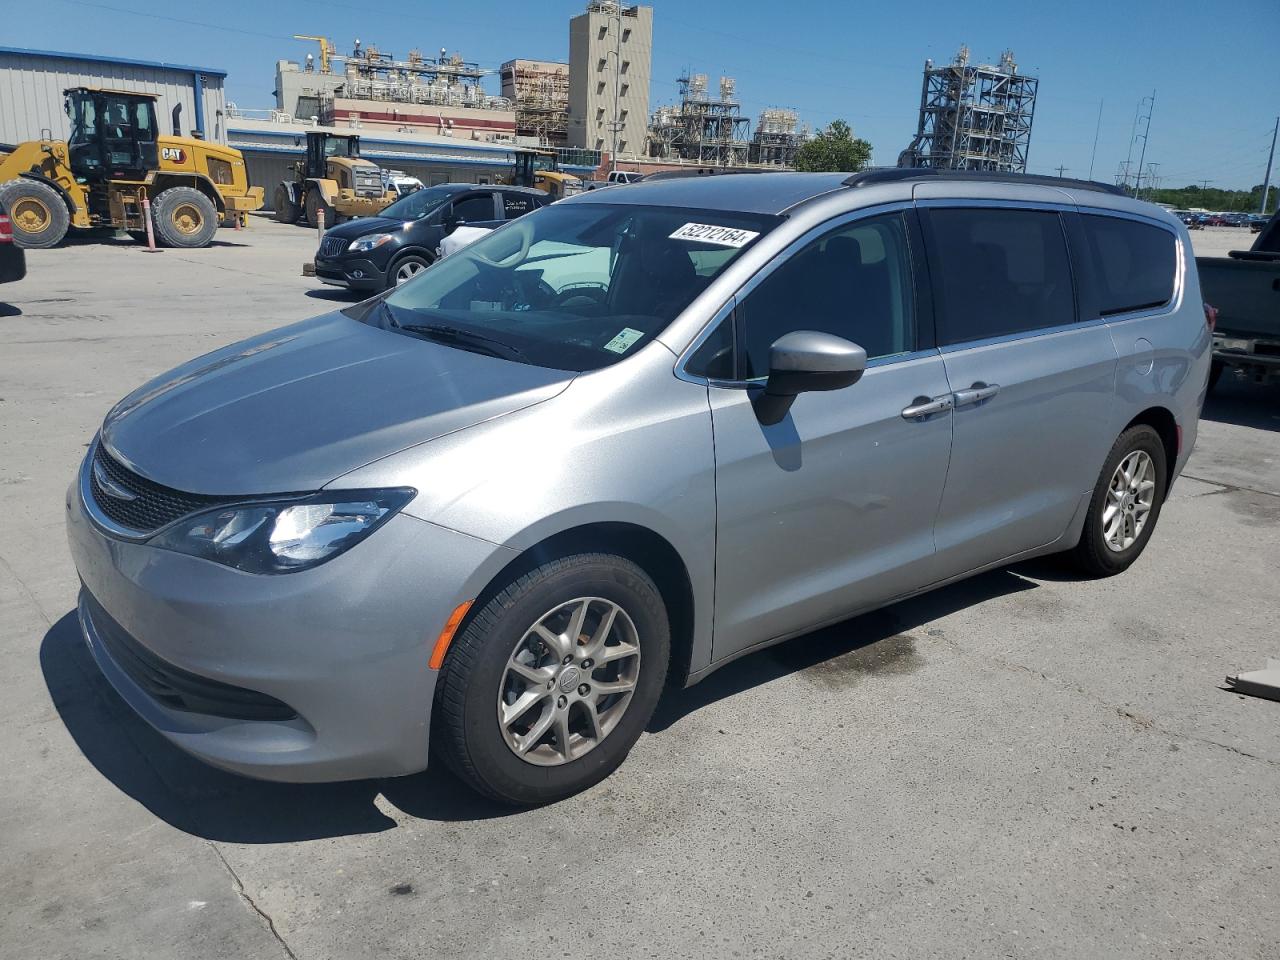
[(333, 246), (153, 506), (368, 183), (174, 687)]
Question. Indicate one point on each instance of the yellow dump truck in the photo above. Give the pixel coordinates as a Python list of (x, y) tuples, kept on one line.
[(113, 160)]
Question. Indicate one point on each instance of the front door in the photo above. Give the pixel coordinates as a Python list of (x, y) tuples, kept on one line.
[(832, 509), (1034, 385)]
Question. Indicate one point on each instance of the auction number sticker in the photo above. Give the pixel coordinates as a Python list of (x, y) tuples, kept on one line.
[(710, 233), (624, 340)]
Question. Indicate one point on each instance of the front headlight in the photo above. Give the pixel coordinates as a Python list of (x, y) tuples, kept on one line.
[(284, 536), (369, 241)]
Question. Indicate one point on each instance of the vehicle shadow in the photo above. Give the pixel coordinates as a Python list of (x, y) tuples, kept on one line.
[(879, 641), (209, 803), (1243, 403), (9, 310), (337, 293)]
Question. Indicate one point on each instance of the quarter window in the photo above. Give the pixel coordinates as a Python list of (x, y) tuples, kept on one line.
[(854, 282), (999, 272), (1134, 263)]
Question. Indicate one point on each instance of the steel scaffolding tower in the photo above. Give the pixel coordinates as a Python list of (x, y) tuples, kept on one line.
[(540, 91), (703, 128), (973, 117), (776, 138)]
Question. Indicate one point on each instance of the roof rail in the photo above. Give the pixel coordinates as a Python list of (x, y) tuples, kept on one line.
[(898, 174)]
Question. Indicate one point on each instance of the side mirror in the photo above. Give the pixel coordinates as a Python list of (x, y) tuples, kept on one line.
[(803, 361)]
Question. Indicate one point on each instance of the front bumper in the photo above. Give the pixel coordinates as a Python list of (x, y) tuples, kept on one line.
[(352, 274), (344, 645)]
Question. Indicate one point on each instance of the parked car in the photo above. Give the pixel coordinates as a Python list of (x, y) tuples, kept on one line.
[(1213, 220), (13, 260), (624, 176), (1257, 221), (1244, 289), (618, 444), (376, 253)]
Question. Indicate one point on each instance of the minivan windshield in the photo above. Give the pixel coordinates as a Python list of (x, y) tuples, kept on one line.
[(574, 286), (419, 203)]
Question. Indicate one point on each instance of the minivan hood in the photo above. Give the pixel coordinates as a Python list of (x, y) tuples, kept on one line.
[(293, 409)]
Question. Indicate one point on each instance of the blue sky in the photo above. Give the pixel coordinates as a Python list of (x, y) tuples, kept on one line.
[(1211, 63)]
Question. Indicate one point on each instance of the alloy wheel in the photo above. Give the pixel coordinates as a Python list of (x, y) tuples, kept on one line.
[(568, 681), (407, 271), (1130, 497)]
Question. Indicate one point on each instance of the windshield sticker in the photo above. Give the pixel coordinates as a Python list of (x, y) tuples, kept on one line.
[(624, 340), (709, 233)]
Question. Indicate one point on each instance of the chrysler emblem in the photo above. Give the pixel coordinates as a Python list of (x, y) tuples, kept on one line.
[(109, 486)]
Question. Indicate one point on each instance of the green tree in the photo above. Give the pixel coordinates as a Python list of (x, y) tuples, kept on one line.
[(834, 149)]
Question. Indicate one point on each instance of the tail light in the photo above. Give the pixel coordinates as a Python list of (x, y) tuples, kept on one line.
[(6, 229), (1211, 316)]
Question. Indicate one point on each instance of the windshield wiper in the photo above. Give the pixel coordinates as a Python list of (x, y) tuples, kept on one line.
[(465, 339)]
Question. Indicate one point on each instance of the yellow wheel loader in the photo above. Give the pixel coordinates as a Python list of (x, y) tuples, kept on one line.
[(538, 168), (113, 160), (334, 179)]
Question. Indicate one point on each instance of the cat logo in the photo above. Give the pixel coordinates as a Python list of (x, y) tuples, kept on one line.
[(176, 154)]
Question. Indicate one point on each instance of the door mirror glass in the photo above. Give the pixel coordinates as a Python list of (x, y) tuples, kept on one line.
[(805, 361)]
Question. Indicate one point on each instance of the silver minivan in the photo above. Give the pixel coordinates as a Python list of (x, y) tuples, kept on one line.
[(618, 443)]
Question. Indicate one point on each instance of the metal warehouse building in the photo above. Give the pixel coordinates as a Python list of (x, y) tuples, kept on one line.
[(271, 144), (32, 81)]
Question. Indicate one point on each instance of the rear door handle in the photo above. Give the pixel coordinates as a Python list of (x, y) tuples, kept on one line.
[(976, 394), (922, 407)]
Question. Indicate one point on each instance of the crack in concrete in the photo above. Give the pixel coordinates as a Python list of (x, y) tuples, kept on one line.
[(1141, 722), (26, 591), (1229, 487), (244, 895)]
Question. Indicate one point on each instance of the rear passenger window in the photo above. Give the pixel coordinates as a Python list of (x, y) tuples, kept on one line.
[(517, 204), (999, 272), (855, 282), (1134, 263)]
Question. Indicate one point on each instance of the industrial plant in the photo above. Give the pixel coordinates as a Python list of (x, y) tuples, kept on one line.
[(973, 117)]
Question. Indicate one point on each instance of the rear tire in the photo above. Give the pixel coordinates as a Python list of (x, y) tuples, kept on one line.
[(286, 211), (615, 674), (39, 216), (1123, 511), (184, 217)]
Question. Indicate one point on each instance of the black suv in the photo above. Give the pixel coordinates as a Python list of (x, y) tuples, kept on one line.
[(375, 253)]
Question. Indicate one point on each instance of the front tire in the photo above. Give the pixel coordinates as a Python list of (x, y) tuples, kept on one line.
[(404, 270), (1125, 505), (315, 202), (37, 213), (552, 681), (184, 217)]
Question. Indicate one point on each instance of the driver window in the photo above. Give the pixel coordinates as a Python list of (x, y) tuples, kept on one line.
[(854, 282)]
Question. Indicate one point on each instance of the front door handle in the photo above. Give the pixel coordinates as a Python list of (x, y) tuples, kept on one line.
[(922, 407), (976, 394)]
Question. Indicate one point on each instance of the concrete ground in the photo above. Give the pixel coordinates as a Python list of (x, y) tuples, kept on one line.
[(1022, 765)]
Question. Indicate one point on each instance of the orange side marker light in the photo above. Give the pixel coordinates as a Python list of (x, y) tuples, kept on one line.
[(446, 635)]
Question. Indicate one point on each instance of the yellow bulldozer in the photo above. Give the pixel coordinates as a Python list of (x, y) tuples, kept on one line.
[(332, 179), (540, 168), (114, 159)]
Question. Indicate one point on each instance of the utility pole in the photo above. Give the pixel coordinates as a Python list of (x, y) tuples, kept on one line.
[(617, 83), (1133, 135), (1146, 135), (1061, 170), (1266, 184), (1204, 184), (1096, 130)]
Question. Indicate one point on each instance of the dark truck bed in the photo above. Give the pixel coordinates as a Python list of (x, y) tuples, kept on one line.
[(1245, 288)]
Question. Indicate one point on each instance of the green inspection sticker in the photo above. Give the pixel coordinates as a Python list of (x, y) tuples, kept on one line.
[(624, 340)]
